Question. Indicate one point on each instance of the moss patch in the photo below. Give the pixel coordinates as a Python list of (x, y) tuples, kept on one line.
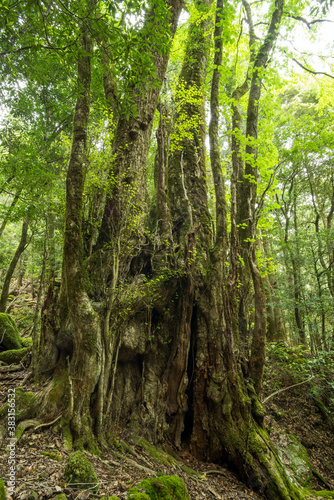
[(53, 456), (138, 496), (323, 493), (298, 460), (79, 472), (25, 404), (33, 496), (61, 496), (66, 432), (163, 488), (9, 334), (26, 342), (2, 490), (13, 356), (156, 453), (109, 498)]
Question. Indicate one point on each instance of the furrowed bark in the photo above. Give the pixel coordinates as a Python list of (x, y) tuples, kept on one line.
[(221, 229)]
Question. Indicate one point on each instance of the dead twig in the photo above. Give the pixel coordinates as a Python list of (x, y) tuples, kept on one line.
[(286, 389), (47, 424)]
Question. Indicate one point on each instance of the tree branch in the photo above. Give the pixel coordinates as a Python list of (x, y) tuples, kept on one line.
[(285, 389), (311, 71), (309, 23)]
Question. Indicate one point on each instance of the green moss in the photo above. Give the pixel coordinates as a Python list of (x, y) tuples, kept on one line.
[(299, 461), (53, 456), (109, 498), (33, 496), (26, 342), (323, 493), (188, 470), (9, 334), (163, 488), (156, 453), (2, 490), (112, 441), (67, 435), (79, 472), (258, 410), (19, 432), (61, 496), (13, 356), (138, 496), (25, 404), (87, 441), (59, 388), (92, 446)]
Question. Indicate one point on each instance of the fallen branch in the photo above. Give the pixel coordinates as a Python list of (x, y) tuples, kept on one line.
[(221, 473), (47, 424), (286, 389), (134, 463), (11, 368)]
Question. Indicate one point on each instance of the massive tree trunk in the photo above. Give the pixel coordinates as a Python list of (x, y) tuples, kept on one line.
[(81, 346)]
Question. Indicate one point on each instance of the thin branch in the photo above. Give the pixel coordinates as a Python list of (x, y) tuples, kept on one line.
[(311, 71), (309, 23), (285, 389), (47, 424)]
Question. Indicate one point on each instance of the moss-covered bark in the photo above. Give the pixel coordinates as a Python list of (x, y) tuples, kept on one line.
[(9, 334)]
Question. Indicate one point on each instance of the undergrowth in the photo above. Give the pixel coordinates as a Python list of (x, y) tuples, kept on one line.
[(291, 364)]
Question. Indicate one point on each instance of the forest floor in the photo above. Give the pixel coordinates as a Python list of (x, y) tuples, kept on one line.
[(118, 470), (294, 410)]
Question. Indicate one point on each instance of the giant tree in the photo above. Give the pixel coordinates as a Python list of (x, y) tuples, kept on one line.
[(144, 327)]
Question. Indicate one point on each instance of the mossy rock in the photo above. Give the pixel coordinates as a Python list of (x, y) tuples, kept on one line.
[(9, 334), (61, 496), (26, 342), (25, 403), (162, 488), (2, 490), (13, 356), (298, 461), (79, 472)]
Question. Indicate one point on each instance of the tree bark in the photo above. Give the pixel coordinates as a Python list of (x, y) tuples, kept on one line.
[(20, 249)]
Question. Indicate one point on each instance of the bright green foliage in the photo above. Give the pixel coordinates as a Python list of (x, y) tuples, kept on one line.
[(9, 335), (163, 488), (79, 472)]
